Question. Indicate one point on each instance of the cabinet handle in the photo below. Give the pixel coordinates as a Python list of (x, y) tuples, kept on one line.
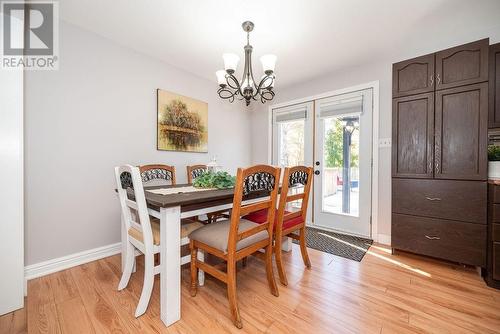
[(437, 167), (438, 79), (432, 80), (432, 238), (432, 199)]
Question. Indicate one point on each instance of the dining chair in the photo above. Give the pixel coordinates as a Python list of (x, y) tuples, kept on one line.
[(158, 174), (234, 239), (143, 233), (193, 172), (288, 223)]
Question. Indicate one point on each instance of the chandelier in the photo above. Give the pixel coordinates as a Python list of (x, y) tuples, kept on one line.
[(247, 89)]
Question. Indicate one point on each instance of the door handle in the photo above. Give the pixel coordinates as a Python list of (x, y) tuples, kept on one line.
[(433, 198), (438, 79), (316, 172), (432, 237), (432, 80)]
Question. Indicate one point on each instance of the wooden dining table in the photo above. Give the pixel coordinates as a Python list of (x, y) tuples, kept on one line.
[(170, 209)]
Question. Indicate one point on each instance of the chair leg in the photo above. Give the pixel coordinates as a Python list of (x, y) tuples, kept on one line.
[(231, 293), (194, 270), (128, 267), (279, 261), (303, 248), (269, 270), (147, 286), (201, 273)]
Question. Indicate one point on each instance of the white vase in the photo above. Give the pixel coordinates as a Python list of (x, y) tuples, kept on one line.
[(494, 170)]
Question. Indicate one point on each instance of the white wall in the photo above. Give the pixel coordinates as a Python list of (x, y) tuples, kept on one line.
[(96, 112), (381, 71)]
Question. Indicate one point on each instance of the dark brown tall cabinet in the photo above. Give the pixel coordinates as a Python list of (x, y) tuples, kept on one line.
[(439, 154), (492, 272)]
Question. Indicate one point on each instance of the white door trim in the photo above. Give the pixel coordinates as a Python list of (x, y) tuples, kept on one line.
[(12, 180), (375, 136)]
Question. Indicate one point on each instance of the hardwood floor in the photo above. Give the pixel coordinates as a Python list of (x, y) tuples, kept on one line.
[(384, 293)]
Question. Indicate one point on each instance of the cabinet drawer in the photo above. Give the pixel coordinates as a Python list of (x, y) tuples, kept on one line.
[(445, 239), (495, 232), (456, 200), (496, 260)]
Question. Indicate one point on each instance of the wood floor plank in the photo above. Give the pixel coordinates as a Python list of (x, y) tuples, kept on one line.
[(63, 286), (41, 309), (384, 293), (14, 322), (102, 314), (73, 317)]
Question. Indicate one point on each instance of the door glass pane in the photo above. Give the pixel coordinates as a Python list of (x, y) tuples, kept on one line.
[(291, 143), (291, 152), (340, 190)]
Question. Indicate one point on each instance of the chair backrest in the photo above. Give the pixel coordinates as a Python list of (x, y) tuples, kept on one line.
[(158, 174), (194, 171), (129, 177), (293, 177), (259, 178)]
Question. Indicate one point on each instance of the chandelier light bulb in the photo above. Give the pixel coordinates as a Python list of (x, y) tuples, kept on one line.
[(221, 77), (268, 63), (230, 62)]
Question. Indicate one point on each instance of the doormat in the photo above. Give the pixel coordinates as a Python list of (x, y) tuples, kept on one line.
[(347, 246)]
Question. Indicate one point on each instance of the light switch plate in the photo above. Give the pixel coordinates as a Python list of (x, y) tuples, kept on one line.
[(384, 142)]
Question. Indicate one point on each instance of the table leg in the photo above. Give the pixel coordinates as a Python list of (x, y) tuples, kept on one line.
[(286, 244), (170, 257)]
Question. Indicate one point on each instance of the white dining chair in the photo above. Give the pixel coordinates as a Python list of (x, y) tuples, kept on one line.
[(143, 235)]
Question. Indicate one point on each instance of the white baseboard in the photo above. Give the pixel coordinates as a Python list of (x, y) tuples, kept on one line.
[(68, 261), (384, 239)]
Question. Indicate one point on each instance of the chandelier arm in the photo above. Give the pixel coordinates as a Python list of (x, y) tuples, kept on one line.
[(230, 95), (232, 79), (260, 88)]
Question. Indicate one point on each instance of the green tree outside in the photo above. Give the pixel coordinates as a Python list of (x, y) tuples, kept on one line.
[(334, 144)]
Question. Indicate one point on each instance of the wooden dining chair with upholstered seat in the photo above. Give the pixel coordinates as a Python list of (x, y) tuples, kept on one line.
[(234, 239), (143, 233), (194, 171), (287, 223), (158, 174)]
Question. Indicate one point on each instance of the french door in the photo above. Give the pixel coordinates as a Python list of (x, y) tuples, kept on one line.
[(334, 135), (343, 158), (293, 141)]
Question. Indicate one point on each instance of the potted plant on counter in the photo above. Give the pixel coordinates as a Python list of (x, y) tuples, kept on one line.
[(493, 162)]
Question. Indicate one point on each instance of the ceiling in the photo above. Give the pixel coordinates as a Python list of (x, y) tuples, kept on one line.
[(310, 37)]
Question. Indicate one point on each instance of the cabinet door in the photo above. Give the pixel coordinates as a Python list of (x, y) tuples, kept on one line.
[(414, 76), (413, 136), (494, 82), (462, 65), (461, 133)]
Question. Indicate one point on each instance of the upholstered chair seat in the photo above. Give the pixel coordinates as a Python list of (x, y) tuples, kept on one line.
[(216, 234), (186, 229), (260, 217)]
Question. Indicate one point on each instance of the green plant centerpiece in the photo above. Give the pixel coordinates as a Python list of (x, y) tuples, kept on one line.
[(219, 180), (493, 153)]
